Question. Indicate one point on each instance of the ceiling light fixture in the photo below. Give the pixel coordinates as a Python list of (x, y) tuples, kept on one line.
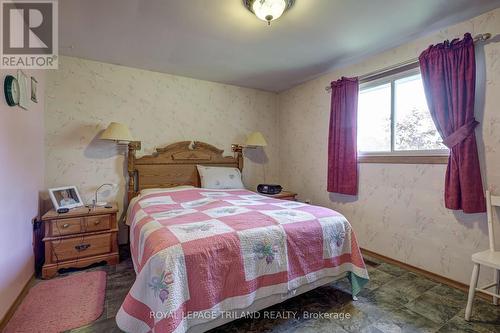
[(268, 10)]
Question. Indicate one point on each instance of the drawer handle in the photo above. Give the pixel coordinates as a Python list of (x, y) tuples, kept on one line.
[(65, 225), (82, 247), (97, 222)]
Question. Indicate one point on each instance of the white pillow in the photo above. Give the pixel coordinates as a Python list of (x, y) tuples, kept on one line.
[(220, 177)]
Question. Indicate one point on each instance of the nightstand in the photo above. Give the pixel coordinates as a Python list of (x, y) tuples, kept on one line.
[(283, 195), (80, 237)]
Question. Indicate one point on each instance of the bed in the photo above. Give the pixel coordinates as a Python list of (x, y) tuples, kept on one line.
[(204, 257)]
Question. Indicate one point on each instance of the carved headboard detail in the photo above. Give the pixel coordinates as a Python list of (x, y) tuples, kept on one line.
[(174, 165)]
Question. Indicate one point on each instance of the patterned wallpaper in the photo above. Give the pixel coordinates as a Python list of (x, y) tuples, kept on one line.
[(399, 211), (83, 97)]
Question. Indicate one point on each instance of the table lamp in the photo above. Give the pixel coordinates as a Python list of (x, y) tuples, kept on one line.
[(254, 140), (117, 132), (96, 203), (120, 134)]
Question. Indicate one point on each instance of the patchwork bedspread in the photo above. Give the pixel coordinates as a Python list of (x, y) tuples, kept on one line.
[(199, 251)]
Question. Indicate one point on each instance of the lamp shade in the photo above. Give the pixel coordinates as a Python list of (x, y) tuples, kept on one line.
[(256, 139), (117, 132)]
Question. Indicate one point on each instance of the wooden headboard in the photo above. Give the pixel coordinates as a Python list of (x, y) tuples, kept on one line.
[(174, 165)]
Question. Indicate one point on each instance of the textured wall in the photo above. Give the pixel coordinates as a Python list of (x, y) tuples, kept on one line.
[(84, 96), (21, 176), (399, 211)]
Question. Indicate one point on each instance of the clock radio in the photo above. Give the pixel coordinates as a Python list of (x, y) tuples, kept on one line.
[(269, 188)]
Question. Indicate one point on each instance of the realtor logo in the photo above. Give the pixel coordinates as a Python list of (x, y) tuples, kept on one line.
[(29, 38)]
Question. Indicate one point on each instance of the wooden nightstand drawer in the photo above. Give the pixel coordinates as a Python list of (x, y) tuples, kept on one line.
[(66, 226), (80, 247), (97, 223)]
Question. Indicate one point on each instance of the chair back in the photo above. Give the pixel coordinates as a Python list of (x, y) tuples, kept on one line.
[(492, 201)]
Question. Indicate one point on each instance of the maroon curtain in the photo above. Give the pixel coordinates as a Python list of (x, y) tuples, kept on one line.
[(449, 76), (342, 144)]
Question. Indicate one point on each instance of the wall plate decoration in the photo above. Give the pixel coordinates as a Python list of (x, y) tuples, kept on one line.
[(22, 79), (11, 90), (34, 84)]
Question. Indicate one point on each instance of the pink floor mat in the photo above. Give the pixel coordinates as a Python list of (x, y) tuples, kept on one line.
[(61, 304)]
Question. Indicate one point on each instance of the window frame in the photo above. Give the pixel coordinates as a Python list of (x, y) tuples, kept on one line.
[(435, 156)]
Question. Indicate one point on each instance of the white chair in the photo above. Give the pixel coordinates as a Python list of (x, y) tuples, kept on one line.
[(490, 258)]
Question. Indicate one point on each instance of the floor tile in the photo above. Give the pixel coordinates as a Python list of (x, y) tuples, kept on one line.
[(434, 307), (317, 326), (377, 279), (408, 321), (402, 289), (113, 305), (371, 260), (451, 294), (458, 325), (358, 319), (391, 269), (484, 312)]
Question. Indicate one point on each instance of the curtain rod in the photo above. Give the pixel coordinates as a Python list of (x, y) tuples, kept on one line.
[(408, 63)]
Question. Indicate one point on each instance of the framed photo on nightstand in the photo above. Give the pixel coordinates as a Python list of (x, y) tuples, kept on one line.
[(65, 197)]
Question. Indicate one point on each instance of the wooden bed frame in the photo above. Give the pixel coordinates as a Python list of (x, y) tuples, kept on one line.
[(174, 165)]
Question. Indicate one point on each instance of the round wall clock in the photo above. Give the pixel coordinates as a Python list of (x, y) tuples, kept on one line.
[(11, 90)]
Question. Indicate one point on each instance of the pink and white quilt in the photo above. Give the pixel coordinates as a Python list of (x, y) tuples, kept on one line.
[(208, 251)]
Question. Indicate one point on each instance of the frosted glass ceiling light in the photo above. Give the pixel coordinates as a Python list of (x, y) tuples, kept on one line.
[(268, 10)]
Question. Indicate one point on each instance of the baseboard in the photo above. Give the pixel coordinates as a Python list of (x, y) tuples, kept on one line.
[(17, 301), (431, 276)]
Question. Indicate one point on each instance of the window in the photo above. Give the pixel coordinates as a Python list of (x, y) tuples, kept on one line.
[(393, 118)]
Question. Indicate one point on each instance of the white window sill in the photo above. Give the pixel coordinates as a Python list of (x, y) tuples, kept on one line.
[(431, 157)]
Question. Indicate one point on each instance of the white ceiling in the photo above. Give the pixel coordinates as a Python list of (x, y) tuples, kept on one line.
[(219, 40)]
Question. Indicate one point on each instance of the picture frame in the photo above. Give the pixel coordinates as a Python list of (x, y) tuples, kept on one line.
[(65, 197), (22, 79), (34, 84)]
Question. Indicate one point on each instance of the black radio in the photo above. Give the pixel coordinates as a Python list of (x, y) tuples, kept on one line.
[(269, 188)]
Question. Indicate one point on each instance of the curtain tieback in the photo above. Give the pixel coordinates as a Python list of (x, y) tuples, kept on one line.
[(460, 134)]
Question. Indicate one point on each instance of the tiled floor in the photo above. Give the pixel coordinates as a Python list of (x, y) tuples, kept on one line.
[(395, 300)]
